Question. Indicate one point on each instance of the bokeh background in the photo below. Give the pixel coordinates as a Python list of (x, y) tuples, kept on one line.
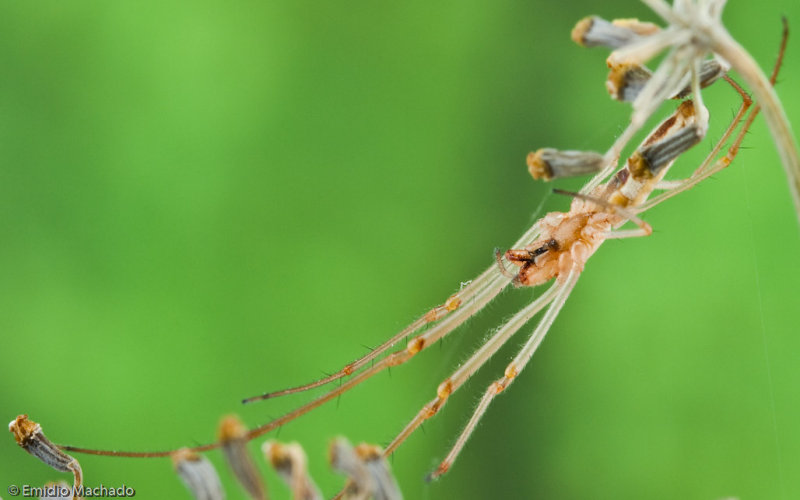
[(201, 201)]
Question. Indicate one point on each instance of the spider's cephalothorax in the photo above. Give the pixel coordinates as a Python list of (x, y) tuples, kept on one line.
[(568, 239)]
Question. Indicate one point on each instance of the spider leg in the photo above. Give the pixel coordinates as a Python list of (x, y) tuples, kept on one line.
[(482, 297), (512, 370), (498, 255), (466, 370), (710, 167), (453, 303), (474, 297), (478, 358), (487, 281)]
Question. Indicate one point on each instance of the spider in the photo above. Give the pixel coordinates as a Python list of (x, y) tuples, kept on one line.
[(599, 202), (562, 243)]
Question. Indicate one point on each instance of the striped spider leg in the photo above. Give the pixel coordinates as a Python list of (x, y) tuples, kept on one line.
[(462, 305)]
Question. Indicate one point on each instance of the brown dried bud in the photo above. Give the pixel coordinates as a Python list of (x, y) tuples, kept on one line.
[(385, 483), (289, 461), (710, 71), (343, 459), (30, 437), (625, 81), (368, 471), (233, 436), (549, 163), (673, 137), (648, 161), (594, 31), (198, 475)]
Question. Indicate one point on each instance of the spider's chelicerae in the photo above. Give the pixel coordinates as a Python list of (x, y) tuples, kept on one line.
[(556, 249)]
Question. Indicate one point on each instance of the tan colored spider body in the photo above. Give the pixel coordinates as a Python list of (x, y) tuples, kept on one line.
[(568, 239)]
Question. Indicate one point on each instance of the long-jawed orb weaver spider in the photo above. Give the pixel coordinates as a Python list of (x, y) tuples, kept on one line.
[(623, 316)]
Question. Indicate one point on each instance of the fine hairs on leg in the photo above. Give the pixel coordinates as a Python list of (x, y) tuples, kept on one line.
[(694, 52)]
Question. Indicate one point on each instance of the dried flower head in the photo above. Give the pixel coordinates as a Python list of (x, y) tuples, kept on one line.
[(30, 437), (289, 461), (594, 31), (233, 436), (694, 32), (549, 163), (198, 475), (365, 466)]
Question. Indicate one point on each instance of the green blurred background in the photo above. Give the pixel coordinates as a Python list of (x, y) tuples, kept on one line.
[(201, 201)]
